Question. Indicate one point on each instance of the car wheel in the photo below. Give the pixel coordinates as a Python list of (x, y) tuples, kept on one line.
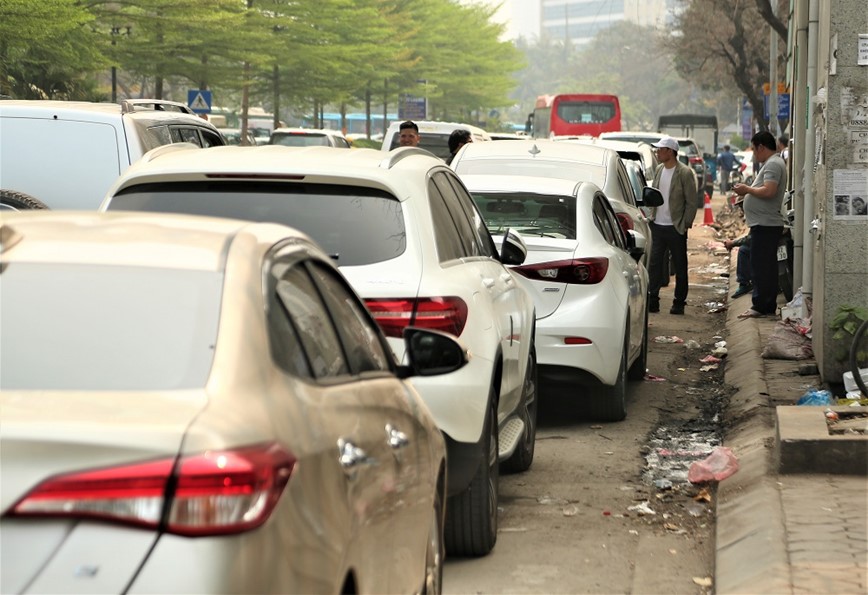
[(522, 458), (435, 554), (471, 516), (20, 201), (637, 370), (609, 403)]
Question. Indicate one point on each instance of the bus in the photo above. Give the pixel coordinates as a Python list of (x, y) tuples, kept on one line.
[(575, 114)]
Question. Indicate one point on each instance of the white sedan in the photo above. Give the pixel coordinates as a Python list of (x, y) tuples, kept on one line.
[(589, 288)]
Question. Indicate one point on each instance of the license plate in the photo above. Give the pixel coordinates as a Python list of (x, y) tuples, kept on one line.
[(782, 252)]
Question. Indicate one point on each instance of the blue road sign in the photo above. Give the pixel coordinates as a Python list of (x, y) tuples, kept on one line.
[(199, 100), (783, 106), (412, 108)]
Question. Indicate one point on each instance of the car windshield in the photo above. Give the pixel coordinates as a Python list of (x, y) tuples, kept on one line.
[(354, 225), (88, 327), (299, 139), (528, 213), (540, 168)]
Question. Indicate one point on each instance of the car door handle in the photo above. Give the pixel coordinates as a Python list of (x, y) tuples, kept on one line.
[(397, 439), (488, 282), (351, 456)]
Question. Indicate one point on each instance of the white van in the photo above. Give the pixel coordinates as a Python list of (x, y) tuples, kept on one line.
[(66, 154), (434, 136)]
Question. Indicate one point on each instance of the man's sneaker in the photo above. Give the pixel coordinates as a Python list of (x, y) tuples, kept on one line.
[(679, 310), (742, 290), (653, 305)]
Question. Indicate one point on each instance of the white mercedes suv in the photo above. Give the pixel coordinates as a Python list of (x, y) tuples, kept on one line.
[(407, 235)]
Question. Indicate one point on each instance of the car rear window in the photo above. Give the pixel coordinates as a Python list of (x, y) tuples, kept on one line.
[(528, 213), (431, 142), (354, 225), (299, 139), (87, 327)]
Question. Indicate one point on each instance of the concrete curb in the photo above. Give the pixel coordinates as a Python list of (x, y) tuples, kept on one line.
[(751, 554)]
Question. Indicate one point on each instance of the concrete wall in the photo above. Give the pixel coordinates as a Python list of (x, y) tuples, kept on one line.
[(841, 168)]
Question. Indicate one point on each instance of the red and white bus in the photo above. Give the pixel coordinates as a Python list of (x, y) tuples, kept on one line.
[(574, 114)]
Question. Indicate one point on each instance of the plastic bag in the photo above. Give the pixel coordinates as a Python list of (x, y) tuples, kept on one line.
[(816, 397), (717, 466)]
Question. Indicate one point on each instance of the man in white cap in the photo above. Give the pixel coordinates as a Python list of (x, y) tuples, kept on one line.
[(669, 225)]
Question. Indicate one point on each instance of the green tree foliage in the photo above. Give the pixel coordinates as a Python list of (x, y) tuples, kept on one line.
[(47, 49)]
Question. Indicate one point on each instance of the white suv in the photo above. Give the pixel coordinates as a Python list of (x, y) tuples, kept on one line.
[(66, 154), (405, 232)]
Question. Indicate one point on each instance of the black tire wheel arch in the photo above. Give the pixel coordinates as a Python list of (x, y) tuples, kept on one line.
[(471, 516), (20, 201)]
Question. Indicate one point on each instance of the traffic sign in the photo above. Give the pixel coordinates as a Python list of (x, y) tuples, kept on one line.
[(412, 108), (199, 100), (783, 106)]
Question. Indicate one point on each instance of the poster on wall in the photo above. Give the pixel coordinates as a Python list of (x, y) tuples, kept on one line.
[(850, 190)]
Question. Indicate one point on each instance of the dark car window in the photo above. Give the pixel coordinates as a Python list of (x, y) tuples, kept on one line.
[(446, 236), (434, 143), (358, 332), (354, 225), (483, 237), (182, 134), (462, 222), (283, 338), (310, 317), (210, 138), (529, 213), (606, 224), (299, 139), (627, 190)]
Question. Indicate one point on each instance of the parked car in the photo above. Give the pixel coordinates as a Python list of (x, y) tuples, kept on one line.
[(309, 137), (434, 136), (576, 161), (204, 405), (66, 154), (589, 288), (405, 232), (233, 136)]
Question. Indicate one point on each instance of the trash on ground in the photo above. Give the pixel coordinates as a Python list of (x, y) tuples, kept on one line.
[(695, 509), (642, 508), (633, 532), (850, 380), (787, 342), (663, 484), (703, 495), (691, 344), (710, 359), (831, 415), (653, 378), (709, 368), (703, 581), (719, 465), (816, 396), (720, 344), (718, 310), (571, 510), (597, 427), (719, 351), (674, 528), (672, 339)]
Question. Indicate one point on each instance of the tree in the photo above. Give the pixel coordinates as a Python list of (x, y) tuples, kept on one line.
[(720, 42)]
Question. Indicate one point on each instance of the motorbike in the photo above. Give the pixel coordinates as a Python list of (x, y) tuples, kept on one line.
[(737, 176), (785, 257)]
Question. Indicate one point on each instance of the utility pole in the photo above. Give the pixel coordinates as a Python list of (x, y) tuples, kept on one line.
[(774, 127)]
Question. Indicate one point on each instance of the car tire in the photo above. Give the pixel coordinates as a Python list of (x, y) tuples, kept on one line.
[(609, 403), (637, 370), (471, 516), (435, 553), (522, 458), (20, 201)]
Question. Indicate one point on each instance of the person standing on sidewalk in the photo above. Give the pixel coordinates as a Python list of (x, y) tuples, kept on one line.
[(725, 164), (669, 224), (762, 213)]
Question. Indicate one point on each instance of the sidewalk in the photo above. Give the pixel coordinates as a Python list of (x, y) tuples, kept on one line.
[(780, 533)]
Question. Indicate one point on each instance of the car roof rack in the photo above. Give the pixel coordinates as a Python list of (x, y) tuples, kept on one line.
[(160, 105)]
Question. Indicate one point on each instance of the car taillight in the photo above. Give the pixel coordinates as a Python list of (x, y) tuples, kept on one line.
[(626, 221), (213, 493), (584, 271), (447, 314), (695, 160)]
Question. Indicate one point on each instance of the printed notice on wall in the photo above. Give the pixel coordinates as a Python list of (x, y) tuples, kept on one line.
[(859, 142), (862, 59), (850, 187)]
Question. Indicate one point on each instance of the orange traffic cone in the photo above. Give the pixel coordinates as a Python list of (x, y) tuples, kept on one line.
[(709, 215)]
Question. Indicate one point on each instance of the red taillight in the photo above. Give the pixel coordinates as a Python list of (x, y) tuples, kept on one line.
[(584, 271), (214, 493), (625, 220), (447, 314), (694, 160)]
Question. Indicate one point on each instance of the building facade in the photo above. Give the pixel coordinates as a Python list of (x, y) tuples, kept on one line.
[(580, 20)]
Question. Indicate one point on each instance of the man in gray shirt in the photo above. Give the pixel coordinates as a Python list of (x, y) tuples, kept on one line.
[(762, 213)]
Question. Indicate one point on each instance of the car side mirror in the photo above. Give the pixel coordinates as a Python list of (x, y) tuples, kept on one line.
[(651, 197), (431, 353), (513, 251)]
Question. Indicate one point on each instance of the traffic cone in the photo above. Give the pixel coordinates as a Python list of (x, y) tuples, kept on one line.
[(709, 215)]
